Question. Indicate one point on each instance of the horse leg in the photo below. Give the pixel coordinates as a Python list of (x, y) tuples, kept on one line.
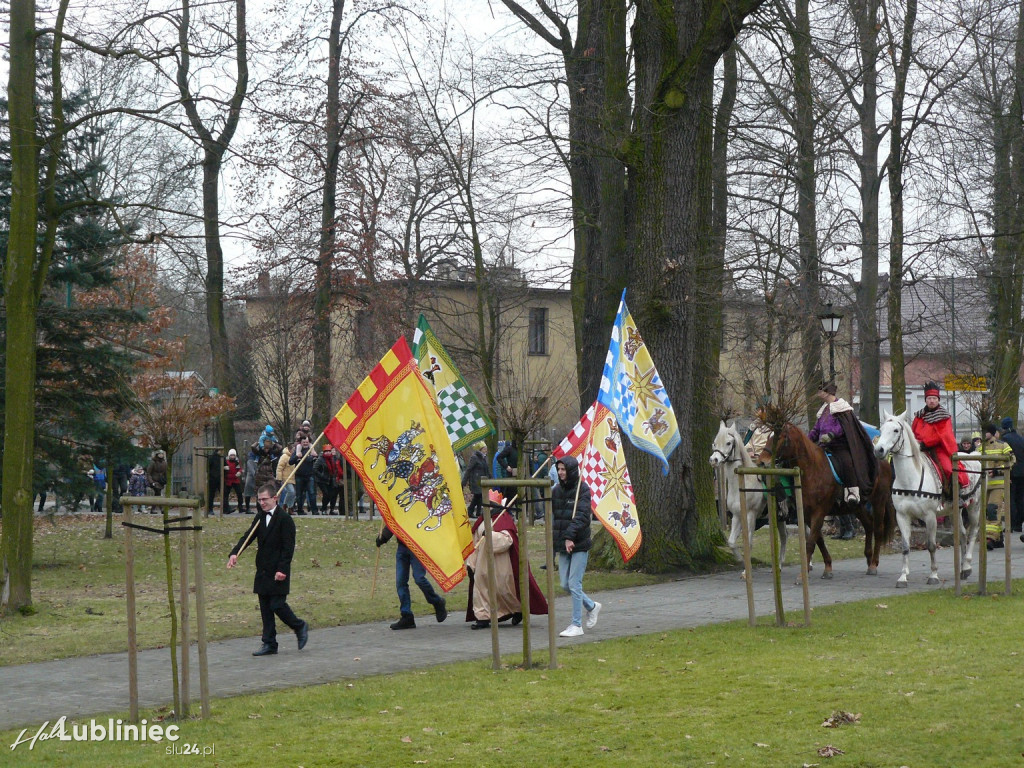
[(825, 556), (903, 523), (783, 535), (930, 526), (973, 526), (815, 538), (867, 520), (734, 534)]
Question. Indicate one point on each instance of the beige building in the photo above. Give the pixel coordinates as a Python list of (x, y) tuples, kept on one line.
[(529, 343)]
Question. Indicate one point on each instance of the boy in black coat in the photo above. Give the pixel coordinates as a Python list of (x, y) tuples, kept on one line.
[(275, 546)]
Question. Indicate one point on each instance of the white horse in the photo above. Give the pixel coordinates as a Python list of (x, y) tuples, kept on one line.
[(917, 493), (729, 452)]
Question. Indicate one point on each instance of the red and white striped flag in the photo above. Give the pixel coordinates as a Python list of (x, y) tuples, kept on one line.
[(596, 443)]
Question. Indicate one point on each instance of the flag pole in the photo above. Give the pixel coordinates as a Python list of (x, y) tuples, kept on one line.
[(314, 444), (252, 531)]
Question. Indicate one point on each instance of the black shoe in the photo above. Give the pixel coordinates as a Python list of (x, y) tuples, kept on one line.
[(406, 621), (517, 618), (265, 650), (441, 611), (303, 635), (480, 624), (846, 535)]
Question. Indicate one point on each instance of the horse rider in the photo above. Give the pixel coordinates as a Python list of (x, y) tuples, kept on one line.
[(933, 429), (839, 432), (756, 443)]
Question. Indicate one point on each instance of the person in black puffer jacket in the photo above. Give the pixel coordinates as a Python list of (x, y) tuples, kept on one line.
[(571, 535)]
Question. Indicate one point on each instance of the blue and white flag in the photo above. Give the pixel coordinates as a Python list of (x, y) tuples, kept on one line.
[(632, 390)]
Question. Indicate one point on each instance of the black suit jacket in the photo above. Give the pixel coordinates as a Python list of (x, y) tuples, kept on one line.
[(275, 546)]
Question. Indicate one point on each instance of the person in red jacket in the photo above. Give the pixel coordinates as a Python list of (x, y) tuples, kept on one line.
[(933, 428), (232, 481)]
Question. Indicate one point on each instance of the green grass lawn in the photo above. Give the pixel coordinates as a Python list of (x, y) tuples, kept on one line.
[(932, 681)]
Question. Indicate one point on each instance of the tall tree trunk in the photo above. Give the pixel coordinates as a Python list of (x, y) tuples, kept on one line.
[(21, 304), (214, 149), (897, 360), (328, 209), (804, 124), (596, 70), (1008, 248), (25, 270), (674, 267), (597, 73), (866, 21)]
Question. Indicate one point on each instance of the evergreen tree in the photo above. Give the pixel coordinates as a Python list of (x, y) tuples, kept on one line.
[(81, 375)]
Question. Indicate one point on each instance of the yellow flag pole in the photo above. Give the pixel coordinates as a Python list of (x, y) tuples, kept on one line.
[(314, 444)]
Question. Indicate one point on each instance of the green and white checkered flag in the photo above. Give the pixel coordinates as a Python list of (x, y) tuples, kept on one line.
[(463, 417)]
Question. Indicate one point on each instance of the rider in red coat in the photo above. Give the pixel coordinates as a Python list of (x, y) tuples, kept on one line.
[(933, 428)]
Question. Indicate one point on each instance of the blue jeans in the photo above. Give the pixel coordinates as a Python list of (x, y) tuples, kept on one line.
[(305, 491), (287, 497), (570, 571), (404, 559)]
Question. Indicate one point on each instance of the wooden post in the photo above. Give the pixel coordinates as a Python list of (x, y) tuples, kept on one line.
[(491, 586), (133, 648), (549, 560), (204, 682), (524, 587), (185, 639), (742, 472), (773, 527), (956, 527), (798, 494), (745, 535), (1003, 512), (983, 540), (166, 502)]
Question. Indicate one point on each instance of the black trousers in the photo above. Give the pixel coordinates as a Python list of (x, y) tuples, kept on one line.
[(237, 490), (1016, 502), (475, 505), (277, 605)]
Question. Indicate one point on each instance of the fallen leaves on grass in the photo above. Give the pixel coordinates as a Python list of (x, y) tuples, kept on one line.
[(839, 717), (407, 739), (829, 751)]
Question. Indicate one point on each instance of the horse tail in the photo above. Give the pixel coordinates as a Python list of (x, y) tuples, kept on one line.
[(889, 513)]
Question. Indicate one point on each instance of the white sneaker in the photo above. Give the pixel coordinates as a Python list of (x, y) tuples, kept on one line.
[(592, 615), (571, 631)]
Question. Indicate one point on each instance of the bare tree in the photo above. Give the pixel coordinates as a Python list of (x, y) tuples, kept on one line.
[(213, 132)]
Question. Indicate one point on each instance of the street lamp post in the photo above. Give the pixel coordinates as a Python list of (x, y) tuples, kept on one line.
[(830, 320)]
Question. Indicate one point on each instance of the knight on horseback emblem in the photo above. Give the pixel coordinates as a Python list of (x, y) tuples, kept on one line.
[(407, 460)]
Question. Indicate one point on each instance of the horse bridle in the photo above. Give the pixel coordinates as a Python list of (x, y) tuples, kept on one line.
[(897, 449), (725, 458)]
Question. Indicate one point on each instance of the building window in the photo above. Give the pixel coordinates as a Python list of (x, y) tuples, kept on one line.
[(538, 331), (364, 333)]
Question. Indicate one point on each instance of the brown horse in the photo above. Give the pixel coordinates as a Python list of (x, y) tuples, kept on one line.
[(823, 496)]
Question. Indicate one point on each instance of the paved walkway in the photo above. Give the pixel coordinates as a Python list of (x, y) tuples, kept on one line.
[(33, 693)]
